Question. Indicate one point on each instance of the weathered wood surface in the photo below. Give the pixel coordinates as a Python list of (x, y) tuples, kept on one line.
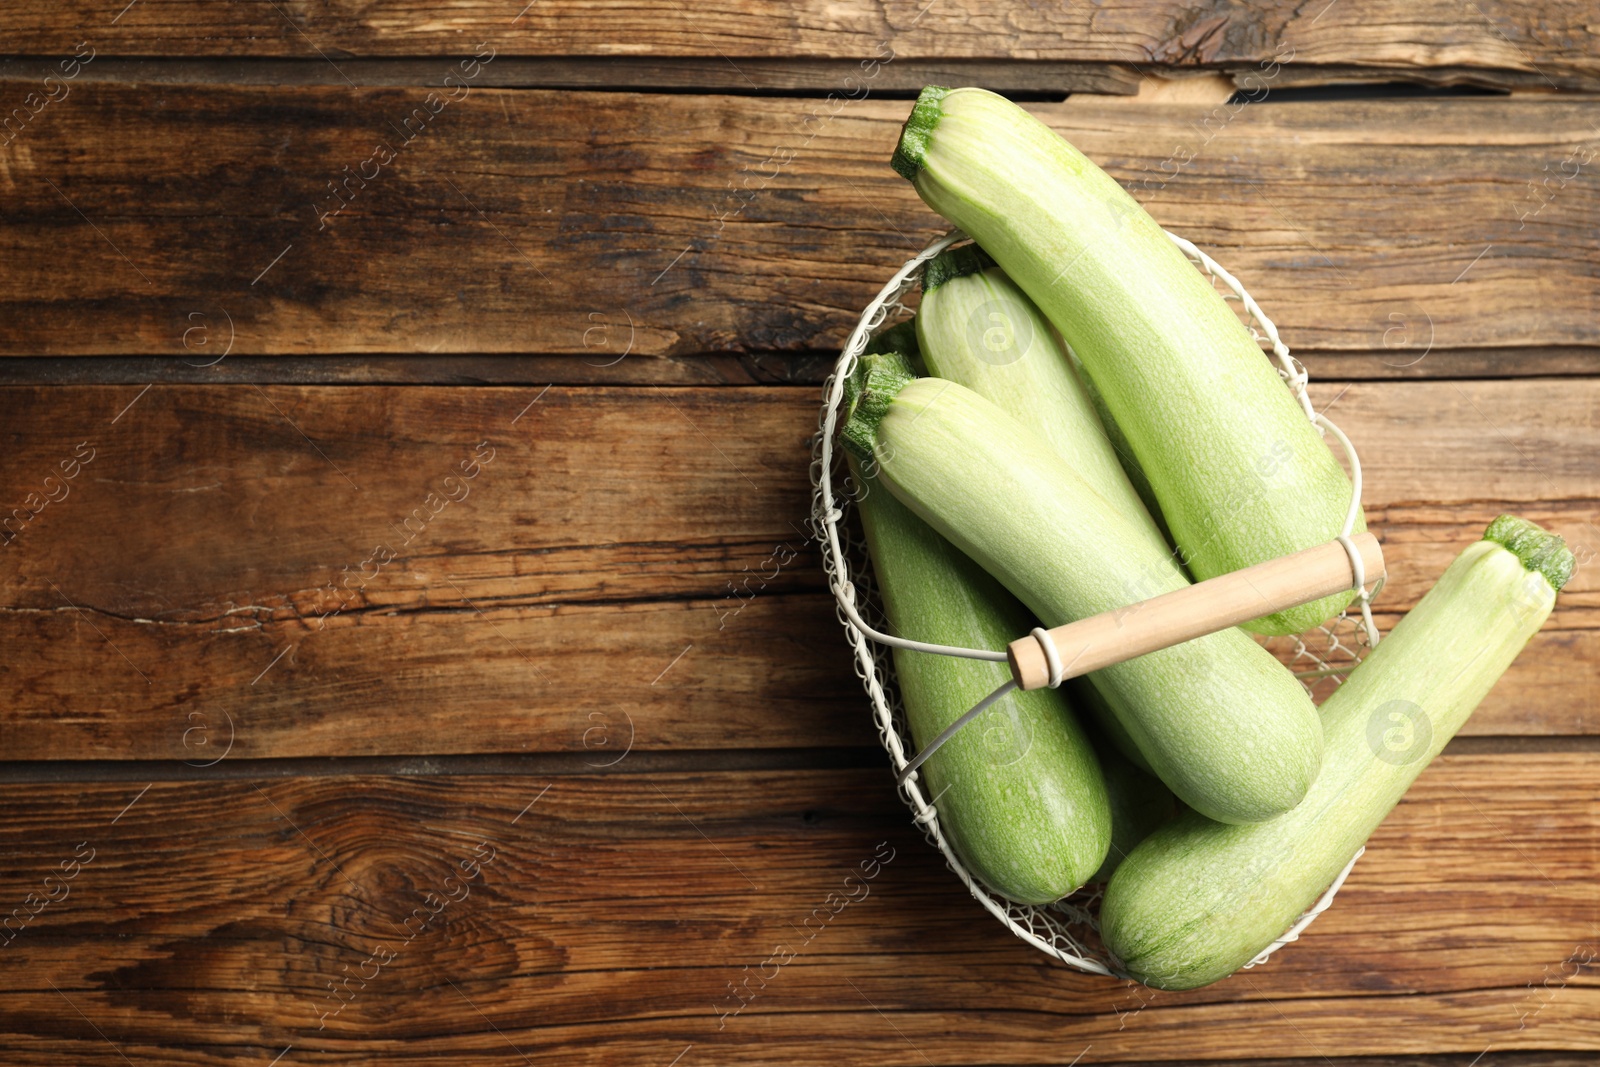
[(1550, 43), (673, 225), (751, 368), (631, 561), (526, 602), (700, 74), (625, 586), (606, 917)]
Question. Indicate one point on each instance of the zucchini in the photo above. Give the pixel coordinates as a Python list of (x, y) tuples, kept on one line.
[(1225, 725), (1119, 445), (1019, 791), (1082, 693), (1140, 805), (976, 327), (901, 338), (1197, 900), (1240, 473)]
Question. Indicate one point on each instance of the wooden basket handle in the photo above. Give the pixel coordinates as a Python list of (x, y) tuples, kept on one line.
[(1200, 609)]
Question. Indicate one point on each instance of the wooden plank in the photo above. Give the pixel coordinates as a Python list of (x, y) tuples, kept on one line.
[(1552, 42), (737, 224), (627, 556), (585, 548), (606, 919), (758, 368)]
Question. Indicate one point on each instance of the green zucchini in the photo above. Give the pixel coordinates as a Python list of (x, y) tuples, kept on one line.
[(976, 327), (1119, 445), (1019, 791), (1222, 722), (1197, 900), (1140, 805), (901, 338), (1239, 471), (1095, 708)]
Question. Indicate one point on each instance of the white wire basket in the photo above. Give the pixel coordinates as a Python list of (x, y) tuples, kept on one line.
[(1067, 930)]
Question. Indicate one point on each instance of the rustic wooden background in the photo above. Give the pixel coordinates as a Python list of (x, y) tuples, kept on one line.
[(333, 754)]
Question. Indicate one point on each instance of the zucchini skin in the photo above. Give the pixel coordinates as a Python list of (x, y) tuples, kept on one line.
[(901, 338), (1019, 791), (1096, 710), (1140, 805), (1198, 900), (1240, 474), (976, 327), (1225, 725), (1123, 450)]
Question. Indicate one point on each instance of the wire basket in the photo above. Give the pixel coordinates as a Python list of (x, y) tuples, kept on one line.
[(1067, 930)]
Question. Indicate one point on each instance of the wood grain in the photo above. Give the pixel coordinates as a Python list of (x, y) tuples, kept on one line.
[(617, 910), (753, 368), (607, 538), (361, 636), (1551, 43), (630, 559), (710, 73), (632, 227)]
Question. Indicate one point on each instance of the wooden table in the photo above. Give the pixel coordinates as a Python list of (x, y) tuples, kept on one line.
[(412, 647)]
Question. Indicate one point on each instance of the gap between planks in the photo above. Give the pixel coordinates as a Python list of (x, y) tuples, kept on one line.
[(1021, 79), (626, 74), (548, 764), (809, 367)]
